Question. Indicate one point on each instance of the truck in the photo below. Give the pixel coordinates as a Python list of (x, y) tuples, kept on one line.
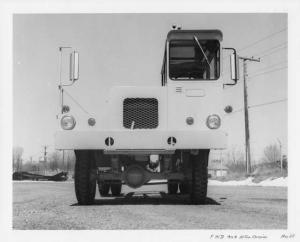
[(145, 134)]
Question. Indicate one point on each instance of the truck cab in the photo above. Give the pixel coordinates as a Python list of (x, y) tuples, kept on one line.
[(152, 133)]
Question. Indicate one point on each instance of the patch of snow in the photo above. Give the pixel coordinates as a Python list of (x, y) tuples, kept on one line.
[(30, 181), (157, 181), (270, 182), (246, 182), (278, 182)]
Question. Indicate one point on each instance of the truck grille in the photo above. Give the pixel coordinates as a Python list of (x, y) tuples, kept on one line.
[(140, 113)]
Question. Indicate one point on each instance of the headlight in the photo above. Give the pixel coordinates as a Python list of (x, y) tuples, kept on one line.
[(213, 121), (67, 122)]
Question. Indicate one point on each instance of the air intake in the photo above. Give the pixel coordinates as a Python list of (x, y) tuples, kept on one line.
[(140, 113)]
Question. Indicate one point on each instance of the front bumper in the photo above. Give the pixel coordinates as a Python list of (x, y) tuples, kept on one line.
[(141, 140)]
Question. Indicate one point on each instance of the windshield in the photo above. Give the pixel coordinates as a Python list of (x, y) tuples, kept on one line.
[(194, 59)]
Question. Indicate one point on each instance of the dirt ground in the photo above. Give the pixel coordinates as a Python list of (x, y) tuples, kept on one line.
[(53, 206)]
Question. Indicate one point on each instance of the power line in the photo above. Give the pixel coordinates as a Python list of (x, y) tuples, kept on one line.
[(76, 102), (262, 39), (275, 48), (272, 52), (265, 68), (268, 103), (260, 104), (258, 41), (267, 54), (266, 72), (268, 67), (282, 45)]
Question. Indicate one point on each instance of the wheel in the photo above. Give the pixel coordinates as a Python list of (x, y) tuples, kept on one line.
[(172, 187), (199, 177), (116, 188), (184, 187), (85, 177), (103, 188)]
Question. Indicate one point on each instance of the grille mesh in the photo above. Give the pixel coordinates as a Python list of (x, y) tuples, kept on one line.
[(140, 113)]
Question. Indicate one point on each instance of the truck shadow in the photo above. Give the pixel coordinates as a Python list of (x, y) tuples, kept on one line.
[(148, 198)]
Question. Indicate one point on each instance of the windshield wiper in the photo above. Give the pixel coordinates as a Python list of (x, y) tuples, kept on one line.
[(198, 43)]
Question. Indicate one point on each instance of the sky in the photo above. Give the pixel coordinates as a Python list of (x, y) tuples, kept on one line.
[(137, 41)]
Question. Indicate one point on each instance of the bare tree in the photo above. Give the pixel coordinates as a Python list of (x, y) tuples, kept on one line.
[(69, 161), (235, 155), (55, 159), (17, 158), (271, 154)]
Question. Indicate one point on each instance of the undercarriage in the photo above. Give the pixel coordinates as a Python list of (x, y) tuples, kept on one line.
[(185, 171)]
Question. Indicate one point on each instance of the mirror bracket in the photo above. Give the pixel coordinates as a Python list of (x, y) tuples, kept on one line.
[(74, 67)]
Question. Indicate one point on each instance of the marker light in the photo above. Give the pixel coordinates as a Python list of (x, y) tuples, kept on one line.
[(65, 109), (91, 121), (213, 121), (189, 120), (67, 122), (228, 109)]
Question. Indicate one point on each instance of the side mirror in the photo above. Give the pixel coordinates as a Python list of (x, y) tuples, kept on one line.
[(234, 66), (74, 66)]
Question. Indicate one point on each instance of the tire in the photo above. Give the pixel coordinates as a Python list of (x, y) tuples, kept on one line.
[(172, 187), (199, 177), (184, 187), (116, 188), (85, 177), (103, 188)]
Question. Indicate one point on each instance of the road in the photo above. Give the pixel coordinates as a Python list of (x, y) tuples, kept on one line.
[(52, 205)]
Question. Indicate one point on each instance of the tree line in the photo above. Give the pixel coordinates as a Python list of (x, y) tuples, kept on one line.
[(55, 161)]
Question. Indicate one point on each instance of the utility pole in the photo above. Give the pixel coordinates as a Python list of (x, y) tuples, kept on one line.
[(45, 153), (221, 163), (31, 163), (280, 152), (247, 133), (45, 158), (63, 159), (21, 164), (68, 163)]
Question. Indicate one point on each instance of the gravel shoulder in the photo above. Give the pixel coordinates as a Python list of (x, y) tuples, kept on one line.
[(53, 206)]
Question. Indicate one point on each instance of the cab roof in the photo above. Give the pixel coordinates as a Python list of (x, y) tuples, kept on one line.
[(200, 34)]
